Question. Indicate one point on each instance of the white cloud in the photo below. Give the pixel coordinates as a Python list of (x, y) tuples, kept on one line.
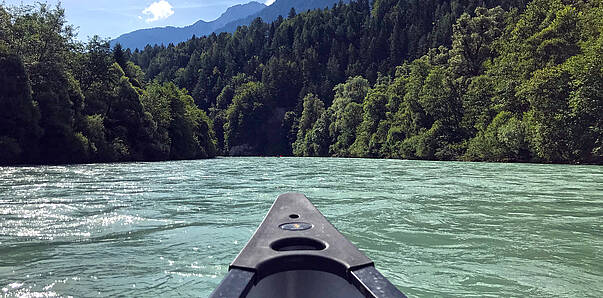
[(158, 11), (268, 2)]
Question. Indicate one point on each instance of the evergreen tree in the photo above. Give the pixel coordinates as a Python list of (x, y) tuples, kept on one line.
[(397, 79), (19, 115)]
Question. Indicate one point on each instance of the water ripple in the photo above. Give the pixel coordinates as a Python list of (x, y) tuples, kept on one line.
[(172, 228)]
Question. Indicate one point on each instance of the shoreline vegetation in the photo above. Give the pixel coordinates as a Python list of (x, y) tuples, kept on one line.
[(67, 102), (500, 81), (291, 156)]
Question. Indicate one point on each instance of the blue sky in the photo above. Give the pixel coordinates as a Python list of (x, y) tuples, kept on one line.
[(111, 18)]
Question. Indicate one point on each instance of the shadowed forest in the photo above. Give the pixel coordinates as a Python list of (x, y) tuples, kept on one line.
[(440, 80)]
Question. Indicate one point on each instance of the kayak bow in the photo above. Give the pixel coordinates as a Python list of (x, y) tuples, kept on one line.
[(297, 252)]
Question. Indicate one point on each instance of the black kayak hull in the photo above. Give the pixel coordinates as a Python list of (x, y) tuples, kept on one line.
[(296, 252)]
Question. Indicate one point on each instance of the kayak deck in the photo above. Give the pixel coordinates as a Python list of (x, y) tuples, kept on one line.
[(297, 252)]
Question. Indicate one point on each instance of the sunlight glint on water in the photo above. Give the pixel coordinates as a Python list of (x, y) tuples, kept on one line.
[(172, 228)]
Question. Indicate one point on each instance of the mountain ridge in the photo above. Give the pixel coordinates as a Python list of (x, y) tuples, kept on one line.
[(279, 7), (233, 17), (171, 34)]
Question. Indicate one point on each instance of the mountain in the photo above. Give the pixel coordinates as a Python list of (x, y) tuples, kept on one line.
[(165, 35), (279, 8), (238, 15)]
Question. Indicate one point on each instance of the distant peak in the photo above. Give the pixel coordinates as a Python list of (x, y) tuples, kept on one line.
[(237, 8)]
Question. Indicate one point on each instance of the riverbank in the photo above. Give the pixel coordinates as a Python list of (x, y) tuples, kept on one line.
[(285, 156)]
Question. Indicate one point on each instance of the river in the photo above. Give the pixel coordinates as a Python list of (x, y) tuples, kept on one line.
[(172, 228)]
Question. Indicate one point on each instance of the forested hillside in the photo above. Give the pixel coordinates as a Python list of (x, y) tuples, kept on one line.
[(65, 102), (253, 81), (470, 80), (437, 79)]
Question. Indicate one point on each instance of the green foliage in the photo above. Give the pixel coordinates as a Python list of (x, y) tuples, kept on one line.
[(242, 129), (346, 114), (524, 93), (65, 102), (477, 104), (314, 108), (310, 52), (371, 132), (94, 129), (119, 56), (38, 35), (19, 114), (503, 140), (472, 40), (57, 100), (190, 130), (396, 79), (548, 119), (536, 77), (156, 101)]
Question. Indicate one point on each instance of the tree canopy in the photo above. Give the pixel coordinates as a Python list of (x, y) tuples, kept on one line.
[(62, 101), (475, 80)]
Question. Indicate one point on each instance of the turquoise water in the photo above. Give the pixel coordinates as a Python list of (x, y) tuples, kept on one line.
[(172, 228)]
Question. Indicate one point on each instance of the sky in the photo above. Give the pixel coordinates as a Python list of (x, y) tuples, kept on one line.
[(111, 18)]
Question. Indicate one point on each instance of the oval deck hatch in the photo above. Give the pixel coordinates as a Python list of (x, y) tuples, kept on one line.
[(296, 226), (297, 243)]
